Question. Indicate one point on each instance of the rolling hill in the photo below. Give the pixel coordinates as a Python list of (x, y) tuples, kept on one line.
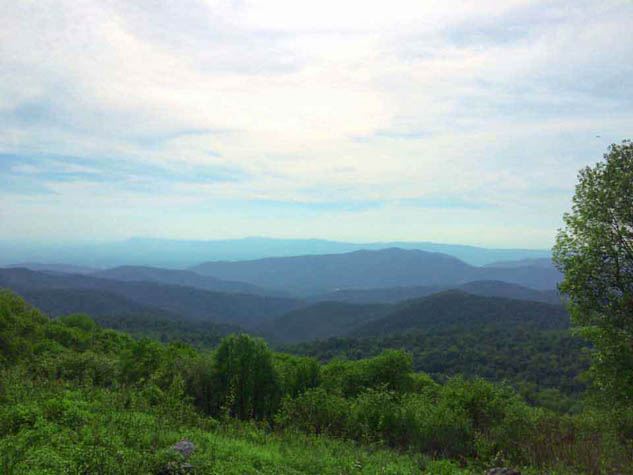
[(58, 302), (489, 288), (178, 277), (456, 308), (196, 304), (59, 268), (322, 320)]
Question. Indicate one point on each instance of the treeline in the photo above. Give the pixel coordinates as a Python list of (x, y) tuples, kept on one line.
[(544, 366), (122, 401)]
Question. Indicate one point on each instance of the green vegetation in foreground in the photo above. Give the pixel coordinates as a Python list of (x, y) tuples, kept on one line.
[(55, 427), (78, 399), (544, 366)]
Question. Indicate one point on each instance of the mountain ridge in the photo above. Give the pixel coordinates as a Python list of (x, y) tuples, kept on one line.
[(196, 304), (364, 269)]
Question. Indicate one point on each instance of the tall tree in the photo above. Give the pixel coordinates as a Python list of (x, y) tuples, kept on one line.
[(246, 377), (595, 253)]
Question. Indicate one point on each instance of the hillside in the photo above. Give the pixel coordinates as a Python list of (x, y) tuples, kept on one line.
[(60, 268), (392, 267), (456, 308), (489, 288), (63, 301), (177, 277), (528, 262), (497, 288), (322, 320), (237, 309)]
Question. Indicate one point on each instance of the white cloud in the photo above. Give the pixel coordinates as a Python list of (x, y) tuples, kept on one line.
[(320, 102)]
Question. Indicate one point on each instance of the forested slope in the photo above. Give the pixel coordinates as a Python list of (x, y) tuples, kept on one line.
[(456, 308), (191, 303)]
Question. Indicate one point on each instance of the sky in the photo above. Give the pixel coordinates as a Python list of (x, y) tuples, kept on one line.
[(448, 121)]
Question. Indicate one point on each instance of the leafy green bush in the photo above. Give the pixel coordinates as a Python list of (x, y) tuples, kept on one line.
[(391, 370), (296, 374), (316, 411)]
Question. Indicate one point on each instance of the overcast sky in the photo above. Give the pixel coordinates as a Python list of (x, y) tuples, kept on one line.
[(460, 122)]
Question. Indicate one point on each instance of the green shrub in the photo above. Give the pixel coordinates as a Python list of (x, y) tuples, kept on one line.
[(391, 370), (316, 411), (98, 369), (80, 321), (296, 374), (15, 418)]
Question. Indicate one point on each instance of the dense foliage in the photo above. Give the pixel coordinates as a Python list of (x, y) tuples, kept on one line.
[(545, 366), (595, 252), (75, 398)]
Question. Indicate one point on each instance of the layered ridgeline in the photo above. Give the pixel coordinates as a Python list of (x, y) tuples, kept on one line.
[(185, 253), (490, 288), (180, 277), (457, 308), (310, 275), (441, 310), (79, 399), (66, 293)]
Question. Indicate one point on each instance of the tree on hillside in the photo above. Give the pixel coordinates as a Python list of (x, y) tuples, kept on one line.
[(595, 253), (246, 377)]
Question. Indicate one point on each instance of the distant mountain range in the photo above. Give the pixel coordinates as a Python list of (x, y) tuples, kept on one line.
[(182, 253), (394, 267), (336, 294)]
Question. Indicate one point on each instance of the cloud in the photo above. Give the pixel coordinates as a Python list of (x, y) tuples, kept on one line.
[(464, 111)]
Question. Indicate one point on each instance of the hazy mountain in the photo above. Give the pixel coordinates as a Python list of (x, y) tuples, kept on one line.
[(322, 320), (364, 269), (178, 277), (379, 295), (456, 308), (241, 309), (539, 262), (490, 288), (496, 288), (60, 268), (184, 253)]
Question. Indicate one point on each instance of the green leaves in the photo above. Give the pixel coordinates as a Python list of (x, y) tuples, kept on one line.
[(246, 377), (595, 252)]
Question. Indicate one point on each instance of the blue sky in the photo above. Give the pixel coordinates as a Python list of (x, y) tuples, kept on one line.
[(461, 122)]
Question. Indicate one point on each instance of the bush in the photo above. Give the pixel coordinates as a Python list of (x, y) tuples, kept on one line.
[(391, 370), (90, 367), (316, 412), (296, 374)]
